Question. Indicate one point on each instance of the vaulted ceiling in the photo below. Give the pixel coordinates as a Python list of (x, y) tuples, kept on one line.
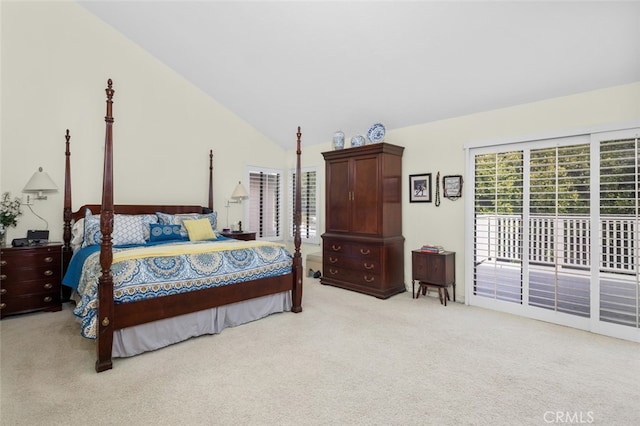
[(329, 65)]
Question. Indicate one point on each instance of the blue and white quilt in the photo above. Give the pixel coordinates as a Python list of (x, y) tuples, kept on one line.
[(155, 270)]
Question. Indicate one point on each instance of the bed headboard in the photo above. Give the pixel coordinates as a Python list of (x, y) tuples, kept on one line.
[(139, 209), (132, 208)]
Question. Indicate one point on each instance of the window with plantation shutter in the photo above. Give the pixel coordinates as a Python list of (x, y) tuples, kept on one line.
[(265, 196), (556, 230), (618, 234), (559, 229), (498, 226), (309, 205)]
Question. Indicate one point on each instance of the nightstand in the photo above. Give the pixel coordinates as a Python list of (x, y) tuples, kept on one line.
[(30, 279), (434, 270), (240, 235)]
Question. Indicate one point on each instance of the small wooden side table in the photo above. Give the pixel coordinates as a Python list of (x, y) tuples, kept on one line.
[(433, 270), (240, 235)]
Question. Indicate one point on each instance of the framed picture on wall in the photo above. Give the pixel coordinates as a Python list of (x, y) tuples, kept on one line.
[(420, 188), (452, 186)]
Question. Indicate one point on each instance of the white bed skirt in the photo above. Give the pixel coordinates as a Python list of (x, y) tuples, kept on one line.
[(158, 334)]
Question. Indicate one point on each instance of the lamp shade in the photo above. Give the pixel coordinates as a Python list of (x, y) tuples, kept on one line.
[(40, 182), (240, 192)]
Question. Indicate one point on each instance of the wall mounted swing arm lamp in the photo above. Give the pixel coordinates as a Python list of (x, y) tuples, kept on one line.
[(239, 193), (40, 183)]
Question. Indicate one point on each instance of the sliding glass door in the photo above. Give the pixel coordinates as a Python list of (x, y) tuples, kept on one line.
[(555, 230), (559, 231), (498, 229), (618, 232)]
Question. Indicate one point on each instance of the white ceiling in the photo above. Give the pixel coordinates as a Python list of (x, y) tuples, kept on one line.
[(329, 65)]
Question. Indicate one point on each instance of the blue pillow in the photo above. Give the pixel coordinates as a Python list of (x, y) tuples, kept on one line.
[(176, 219), (164, 232)]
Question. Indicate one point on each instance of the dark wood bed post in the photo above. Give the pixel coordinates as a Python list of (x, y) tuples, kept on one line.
[(210, 180), (105, 284), (296, 291), (67, 251), (66, 212)]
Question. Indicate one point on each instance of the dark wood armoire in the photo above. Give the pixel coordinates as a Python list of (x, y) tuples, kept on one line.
[(363, 245)]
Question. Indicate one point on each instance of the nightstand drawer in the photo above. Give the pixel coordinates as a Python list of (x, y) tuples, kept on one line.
[(23, 304), (24, 258), (24, 288), (11, 275)]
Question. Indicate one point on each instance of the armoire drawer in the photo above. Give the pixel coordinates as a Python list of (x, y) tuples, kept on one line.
[(358, 264), (352, 249), (358, 277)]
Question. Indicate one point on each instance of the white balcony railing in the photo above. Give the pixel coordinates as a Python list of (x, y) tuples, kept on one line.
[(562, 241)]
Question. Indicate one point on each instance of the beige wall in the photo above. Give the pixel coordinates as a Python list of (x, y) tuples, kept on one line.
[(56, 58), (439, 147)]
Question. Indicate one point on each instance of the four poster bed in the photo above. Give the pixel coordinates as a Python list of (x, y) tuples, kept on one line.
[(138, 291)]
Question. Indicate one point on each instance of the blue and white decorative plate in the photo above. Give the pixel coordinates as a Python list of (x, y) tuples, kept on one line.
[(376, 133)]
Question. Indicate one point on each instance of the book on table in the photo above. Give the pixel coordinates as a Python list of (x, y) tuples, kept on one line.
[(430, 248)]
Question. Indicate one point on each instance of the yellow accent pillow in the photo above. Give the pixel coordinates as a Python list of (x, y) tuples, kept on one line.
[(199, 229)]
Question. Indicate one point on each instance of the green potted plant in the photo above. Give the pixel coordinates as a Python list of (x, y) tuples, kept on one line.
[(9, 212)]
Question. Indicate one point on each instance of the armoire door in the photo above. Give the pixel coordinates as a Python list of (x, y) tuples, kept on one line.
[(338, 211), (365, 196)]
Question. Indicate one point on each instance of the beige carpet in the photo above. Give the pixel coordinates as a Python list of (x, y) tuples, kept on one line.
[(347, 359)]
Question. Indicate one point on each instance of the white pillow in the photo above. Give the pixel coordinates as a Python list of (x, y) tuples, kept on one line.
[(77, 234), (127, 229)]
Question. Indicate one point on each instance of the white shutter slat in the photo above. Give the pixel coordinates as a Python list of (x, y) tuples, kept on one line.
[(309, 203), (265, 192)]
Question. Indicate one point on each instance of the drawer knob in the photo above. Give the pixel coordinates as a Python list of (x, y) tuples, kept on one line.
[(333, 271), (365, 251), (333, 259), (3, 291), (48, 259), (3, 263), (48, 286), (369, 266), (336, 248), (48, 299), (3, 305), (48, 272), (369, 279), (3, 277)]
